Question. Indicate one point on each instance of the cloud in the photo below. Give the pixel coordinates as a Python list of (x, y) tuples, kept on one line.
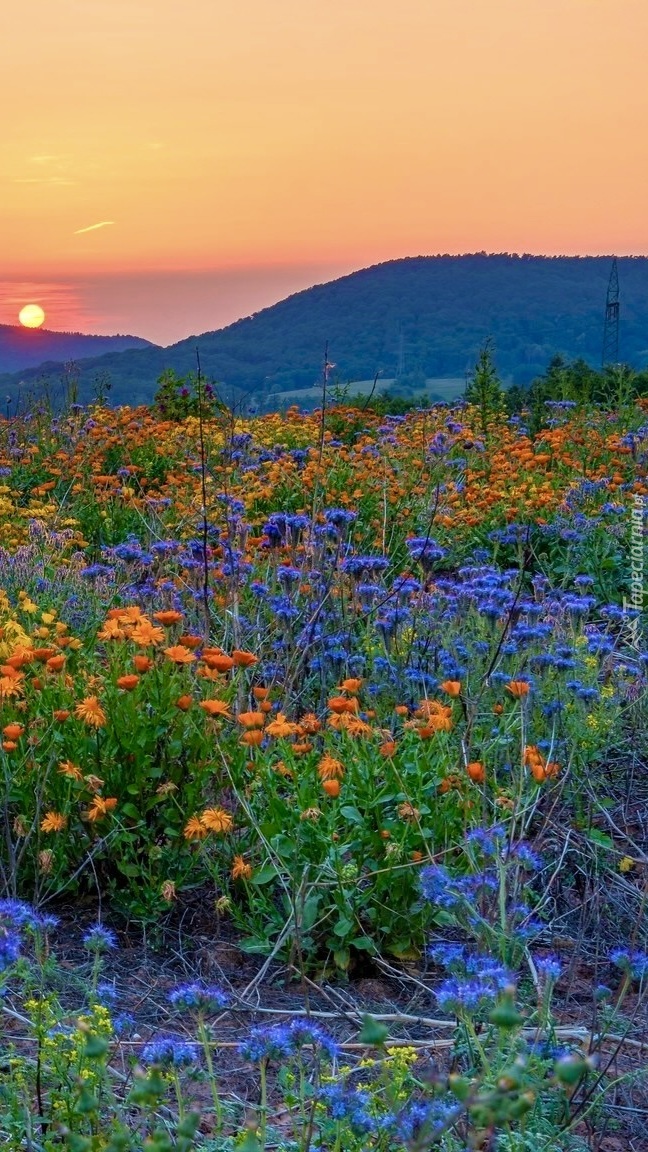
[(93, 227), (43, 180)]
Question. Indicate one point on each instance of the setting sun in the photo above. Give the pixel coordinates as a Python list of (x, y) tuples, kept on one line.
[(31, 316)]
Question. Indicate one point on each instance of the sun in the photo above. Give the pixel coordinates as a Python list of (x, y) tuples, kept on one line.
[(31, 316)]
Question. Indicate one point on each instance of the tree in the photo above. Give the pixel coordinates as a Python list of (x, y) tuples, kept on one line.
[(484, 388)]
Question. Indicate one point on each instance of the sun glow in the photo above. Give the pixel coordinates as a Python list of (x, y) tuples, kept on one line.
[(31, 316)]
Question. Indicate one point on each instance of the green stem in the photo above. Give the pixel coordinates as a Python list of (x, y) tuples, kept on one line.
[(213, 1083)]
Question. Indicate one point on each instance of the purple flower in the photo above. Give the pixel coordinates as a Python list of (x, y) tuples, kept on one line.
[(199, 998), (171, 1051), (99, 939)]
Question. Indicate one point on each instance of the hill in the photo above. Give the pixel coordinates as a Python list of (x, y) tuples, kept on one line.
[(24, 348), (414, 319)]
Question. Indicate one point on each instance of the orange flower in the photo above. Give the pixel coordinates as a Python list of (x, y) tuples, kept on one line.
[(244, 659), (43, 654), (101, 807), (241, 870), (216, 708), (408, 812), (142, 663), (94, 783), (388, 748), (128, 683), (91, 712), (401, 710), (184, 703), (218, 661), (309, 724), (498, 709), (190, 642), (330, 769), (451, 687), (281, 727), (351, 685), (302, 748), (331, 787), (251, 719), (167, 618), (179, 655), (252, 738), (146, 634), (55, 663), (194, 829), (340, 704), (217, 820), (518, 688), (260, 693), (67, 768), (53, 822), (476, 771), (13, 731), (9, 745), (61, 715)]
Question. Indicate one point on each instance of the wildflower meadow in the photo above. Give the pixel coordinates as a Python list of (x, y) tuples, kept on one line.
[(366, 695)]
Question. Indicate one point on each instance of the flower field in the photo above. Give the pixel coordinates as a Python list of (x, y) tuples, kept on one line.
[(356, 682)]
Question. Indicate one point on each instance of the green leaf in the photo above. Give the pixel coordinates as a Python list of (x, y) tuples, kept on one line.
[(601, 838), (351, 814), (264, 875), (373, 1032), (131, 811), (343, 926)]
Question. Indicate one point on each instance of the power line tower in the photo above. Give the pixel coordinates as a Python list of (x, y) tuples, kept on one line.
[(611, 329)]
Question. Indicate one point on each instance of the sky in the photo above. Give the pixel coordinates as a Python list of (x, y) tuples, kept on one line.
[(169, 165)]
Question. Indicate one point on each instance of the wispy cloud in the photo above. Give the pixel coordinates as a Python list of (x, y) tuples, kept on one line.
[(43, 180), (93, 227)]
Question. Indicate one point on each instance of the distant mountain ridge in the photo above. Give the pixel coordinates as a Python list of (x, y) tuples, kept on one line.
[(411, 319), (22, 348)]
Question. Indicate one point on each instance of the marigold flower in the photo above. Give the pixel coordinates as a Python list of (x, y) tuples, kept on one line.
[(518, 688), (329, 768), (281, 727), (13, 731), (61, 715), (476, 771), (91, 712), (9, 745), (100, 807), (244, 659), (451, 687), (388, 748), (128, 682), (251, 719), (190, 641), (302, 748), (55, 663), (351, 685), (340, 704), (53, 822), (184, 702), (219, 662), (67, 768), (401, 710), (260, 693), (142, 663), (240, 869), (216, 708), (94, 783), (194, 829), (253, 737), (147, 635), (309, 724), (331, 787), (179, 655), (217, 820), (43, 654), (168, 618)]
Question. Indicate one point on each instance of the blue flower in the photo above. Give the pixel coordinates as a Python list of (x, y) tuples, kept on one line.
[(9, 946), (199, 998), (99, 939), (632, 961), (171, 1051), (549, 967)]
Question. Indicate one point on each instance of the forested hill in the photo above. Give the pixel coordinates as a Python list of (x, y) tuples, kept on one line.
[(420, 317), (22, 348)]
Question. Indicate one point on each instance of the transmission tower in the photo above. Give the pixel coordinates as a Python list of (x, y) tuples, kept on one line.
[(611, 329)]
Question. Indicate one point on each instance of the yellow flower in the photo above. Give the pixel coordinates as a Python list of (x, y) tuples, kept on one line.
[(626, 864)]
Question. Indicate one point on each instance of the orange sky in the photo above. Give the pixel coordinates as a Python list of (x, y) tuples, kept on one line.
[(236, 135)]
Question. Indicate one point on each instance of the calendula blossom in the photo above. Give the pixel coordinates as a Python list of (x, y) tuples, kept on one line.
[(91, 712)]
